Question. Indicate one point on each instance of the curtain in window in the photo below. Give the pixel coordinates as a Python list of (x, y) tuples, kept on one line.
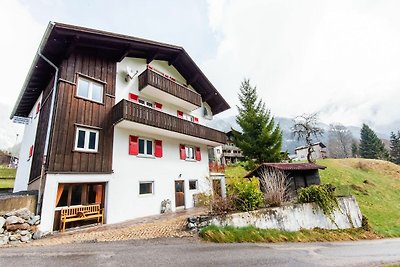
[(59, 193), (99, 193)]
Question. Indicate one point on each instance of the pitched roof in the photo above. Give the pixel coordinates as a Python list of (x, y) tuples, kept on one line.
[(60, 40), (286, 167), (315, 144)]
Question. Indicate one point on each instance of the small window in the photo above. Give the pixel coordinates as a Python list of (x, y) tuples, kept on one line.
[(90, 89), (146, 103), (189, 152), (193, 185), (86, 139), (146, 188), (145, 147)]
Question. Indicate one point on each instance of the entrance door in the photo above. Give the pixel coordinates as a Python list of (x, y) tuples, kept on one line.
[(179, 193)]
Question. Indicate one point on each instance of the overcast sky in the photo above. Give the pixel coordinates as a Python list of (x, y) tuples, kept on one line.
[(338, 58)]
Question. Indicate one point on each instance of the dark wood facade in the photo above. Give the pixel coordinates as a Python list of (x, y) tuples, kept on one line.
[(149, 77), (72, 111), (127, 110)]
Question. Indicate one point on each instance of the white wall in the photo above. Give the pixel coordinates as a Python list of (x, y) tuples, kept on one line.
[(28, 139), (123, 88), (129, 170)]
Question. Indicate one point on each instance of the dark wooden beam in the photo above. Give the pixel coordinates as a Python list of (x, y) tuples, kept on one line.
[(174, 59), (209, 96), (192, 79), (125, 52), (71, 46), (151, 56)]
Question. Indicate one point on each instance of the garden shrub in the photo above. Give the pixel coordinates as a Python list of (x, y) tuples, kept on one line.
[(246, 193), (322, 195), (221, 206)]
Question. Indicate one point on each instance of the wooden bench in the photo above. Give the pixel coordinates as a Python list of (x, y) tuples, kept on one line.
[(81, 213)]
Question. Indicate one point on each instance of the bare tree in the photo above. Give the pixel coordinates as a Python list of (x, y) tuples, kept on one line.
[(340, 141), (275, 186), (306, 127)]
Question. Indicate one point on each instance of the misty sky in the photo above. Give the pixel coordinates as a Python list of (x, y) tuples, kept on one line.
[(338, 58)]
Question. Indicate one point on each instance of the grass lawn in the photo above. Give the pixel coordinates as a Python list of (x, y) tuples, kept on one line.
[(7, 177), (374, 183), (251, 234), (235, 171)]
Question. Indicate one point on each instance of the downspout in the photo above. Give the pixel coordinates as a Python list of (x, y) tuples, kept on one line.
[(50, 121)]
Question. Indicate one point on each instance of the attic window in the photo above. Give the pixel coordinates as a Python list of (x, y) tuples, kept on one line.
[(90, 89)]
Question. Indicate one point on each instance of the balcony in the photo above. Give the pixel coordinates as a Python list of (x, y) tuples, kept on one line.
[(158, 86), (128, 114)]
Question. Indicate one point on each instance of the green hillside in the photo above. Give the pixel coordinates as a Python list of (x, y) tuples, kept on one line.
[(376, 186), (7, 176), (374, 183)]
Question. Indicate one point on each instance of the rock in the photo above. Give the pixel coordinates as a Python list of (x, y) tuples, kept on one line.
[(16, 242), (38, 234), (14, 237), (25, 238), (2, 222), (33, 228), (37, 223), (13, 220), (23, 213), (19, 226), (24, 232), (192, 219), (3, 240), (1, 230), (34, 220), (191, 226)]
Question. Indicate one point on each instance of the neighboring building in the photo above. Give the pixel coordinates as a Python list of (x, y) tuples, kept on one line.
[(227, 153), (126, 128), (299, 174), (319, 151)]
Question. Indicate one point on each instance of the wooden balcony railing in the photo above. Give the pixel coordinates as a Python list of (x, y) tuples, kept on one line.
[(149, 77), (127, 110), (215, 167)]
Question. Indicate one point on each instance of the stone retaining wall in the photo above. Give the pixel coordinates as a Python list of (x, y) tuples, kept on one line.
[(296, 217), (16, 201)]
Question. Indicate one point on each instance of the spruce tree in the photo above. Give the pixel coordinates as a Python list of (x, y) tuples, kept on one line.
[(371, 147), (395, 147), (261, 139)]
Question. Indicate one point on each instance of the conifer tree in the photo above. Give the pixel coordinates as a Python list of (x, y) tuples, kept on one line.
[(395, 147), (371, 147), (261, 139)]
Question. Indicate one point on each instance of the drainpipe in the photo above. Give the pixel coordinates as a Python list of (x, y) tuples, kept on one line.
[(46, 144)]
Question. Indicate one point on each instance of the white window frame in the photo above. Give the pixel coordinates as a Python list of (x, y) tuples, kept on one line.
[(145, 147), (187, 149), (197, 184), (90, 89), (86, 141), (146, 102), (188, 117), (152, 188)]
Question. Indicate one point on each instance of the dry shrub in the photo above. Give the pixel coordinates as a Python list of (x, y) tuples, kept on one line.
[(221, 206), (275, 186)]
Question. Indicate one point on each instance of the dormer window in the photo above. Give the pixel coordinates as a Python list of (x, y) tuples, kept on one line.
[(90, 89)]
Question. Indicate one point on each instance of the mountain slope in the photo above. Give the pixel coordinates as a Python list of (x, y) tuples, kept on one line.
[(376, 186)]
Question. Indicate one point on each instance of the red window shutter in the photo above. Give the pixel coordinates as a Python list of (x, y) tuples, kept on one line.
[(149, 67), (133, 145), (133, 97), (158, 150), (31, 151), (198, 154), (38, 108), (166, 76), (158, 105), (182, 152), (195, 119), (172, 78), (180, 114)]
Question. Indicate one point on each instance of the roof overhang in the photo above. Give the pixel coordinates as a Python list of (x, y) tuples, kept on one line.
[(60, 40)]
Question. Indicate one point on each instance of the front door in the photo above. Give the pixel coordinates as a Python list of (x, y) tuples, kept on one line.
[(216, 187), (179, 193)]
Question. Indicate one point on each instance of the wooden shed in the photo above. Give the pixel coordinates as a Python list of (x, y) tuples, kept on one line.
[(299, 174)]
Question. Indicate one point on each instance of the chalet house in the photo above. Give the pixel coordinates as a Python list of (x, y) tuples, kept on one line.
[(227, 153), (319, 151), (298, 174), (115, 120)]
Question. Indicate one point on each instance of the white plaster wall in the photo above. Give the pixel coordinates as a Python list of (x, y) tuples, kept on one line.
[(50, 193), (123, 191), (28, 139), (123, 88), (296, 217)]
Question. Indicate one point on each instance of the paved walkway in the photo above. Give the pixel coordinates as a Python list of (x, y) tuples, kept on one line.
[(165, 225)]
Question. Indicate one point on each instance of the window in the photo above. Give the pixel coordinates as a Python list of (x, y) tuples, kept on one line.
[(193, 185), (79, 194), (146, 103), (187, 117), (189, 152), (145, 147), (90, 89), (146, 188), (86, 139)]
